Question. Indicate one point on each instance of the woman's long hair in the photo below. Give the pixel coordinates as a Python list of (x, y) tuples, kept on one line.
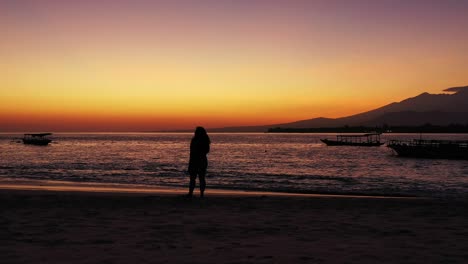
[(201, 135)]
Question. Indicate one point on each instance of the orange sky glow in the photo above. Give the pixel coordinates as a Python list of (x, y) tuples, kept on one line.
[(162, 65)]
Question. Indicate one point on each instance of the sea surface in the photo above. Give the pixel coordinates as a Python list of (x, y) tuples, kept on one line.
[(258, 161)]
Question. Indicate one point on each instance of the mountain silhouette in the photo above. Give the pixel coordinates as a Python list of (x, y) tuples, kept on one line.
[(436, 109)]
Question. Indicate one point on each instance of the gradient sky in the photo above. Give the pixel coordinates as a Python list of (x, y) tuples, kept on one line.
[(150, 65)]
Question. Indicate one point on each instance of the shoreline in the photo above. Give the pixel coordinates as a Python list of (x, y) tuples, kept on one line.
[(133, 189)]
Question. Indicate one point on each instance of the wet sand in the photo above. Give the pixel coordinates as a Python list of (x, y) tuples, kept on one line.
[(70, 226)]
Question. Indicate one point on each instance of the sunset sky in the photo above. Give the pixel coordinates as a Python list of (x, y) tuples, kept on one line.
[(151, 65)]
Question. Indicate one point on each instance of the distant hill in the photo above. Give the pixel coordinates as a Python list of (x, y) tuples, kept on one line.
[(436, 109)]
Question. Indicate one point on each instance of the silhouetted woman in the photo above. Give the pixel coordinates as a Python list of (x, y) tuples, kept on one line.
[(199, 147)]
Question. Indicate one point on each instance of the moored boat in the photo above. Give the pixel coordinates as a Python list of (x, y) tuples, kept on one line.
[(39, 139), (365, 140), (436, 149)]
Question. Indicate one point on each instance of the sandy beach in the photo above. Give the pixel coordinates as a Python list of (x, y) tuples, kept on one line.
[(70, 226)]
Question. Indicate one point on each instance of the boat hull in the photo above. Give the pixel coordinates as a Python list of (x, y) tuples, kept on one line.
[(41, 142), (442, 152), (329, 142)]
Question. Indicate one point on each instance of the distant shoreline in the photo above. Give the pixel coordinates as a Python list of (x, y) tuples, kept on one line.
[(430, 129)]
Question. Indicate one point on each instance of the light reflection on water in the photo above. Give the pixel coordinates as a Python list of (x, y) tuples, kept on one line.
[(270, 162)]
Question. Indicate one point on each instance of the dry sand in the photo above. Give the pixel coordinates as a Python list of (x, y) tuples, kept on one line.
[(122, 227)]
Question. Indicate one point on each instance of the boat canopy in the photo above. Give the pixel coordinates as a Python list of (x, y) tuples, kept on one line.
[(360, 136), (369, 137)]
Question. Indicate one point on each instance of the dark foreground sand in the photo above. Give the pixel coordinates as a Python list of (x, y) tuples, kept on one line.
[(84, 227)]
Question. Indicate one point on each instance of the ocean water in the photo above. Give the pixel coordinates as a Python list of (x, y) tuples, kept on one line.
[(257, 161)]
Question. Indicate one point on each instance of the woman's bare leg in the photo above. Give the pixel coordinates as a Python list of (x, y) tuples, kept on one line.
[(193, 177), (202, 184)]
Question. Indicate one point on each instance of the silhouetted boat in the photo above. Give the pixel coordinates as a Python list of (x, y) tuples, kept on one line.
[(37, 139), (436, 149), (366, 140)]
